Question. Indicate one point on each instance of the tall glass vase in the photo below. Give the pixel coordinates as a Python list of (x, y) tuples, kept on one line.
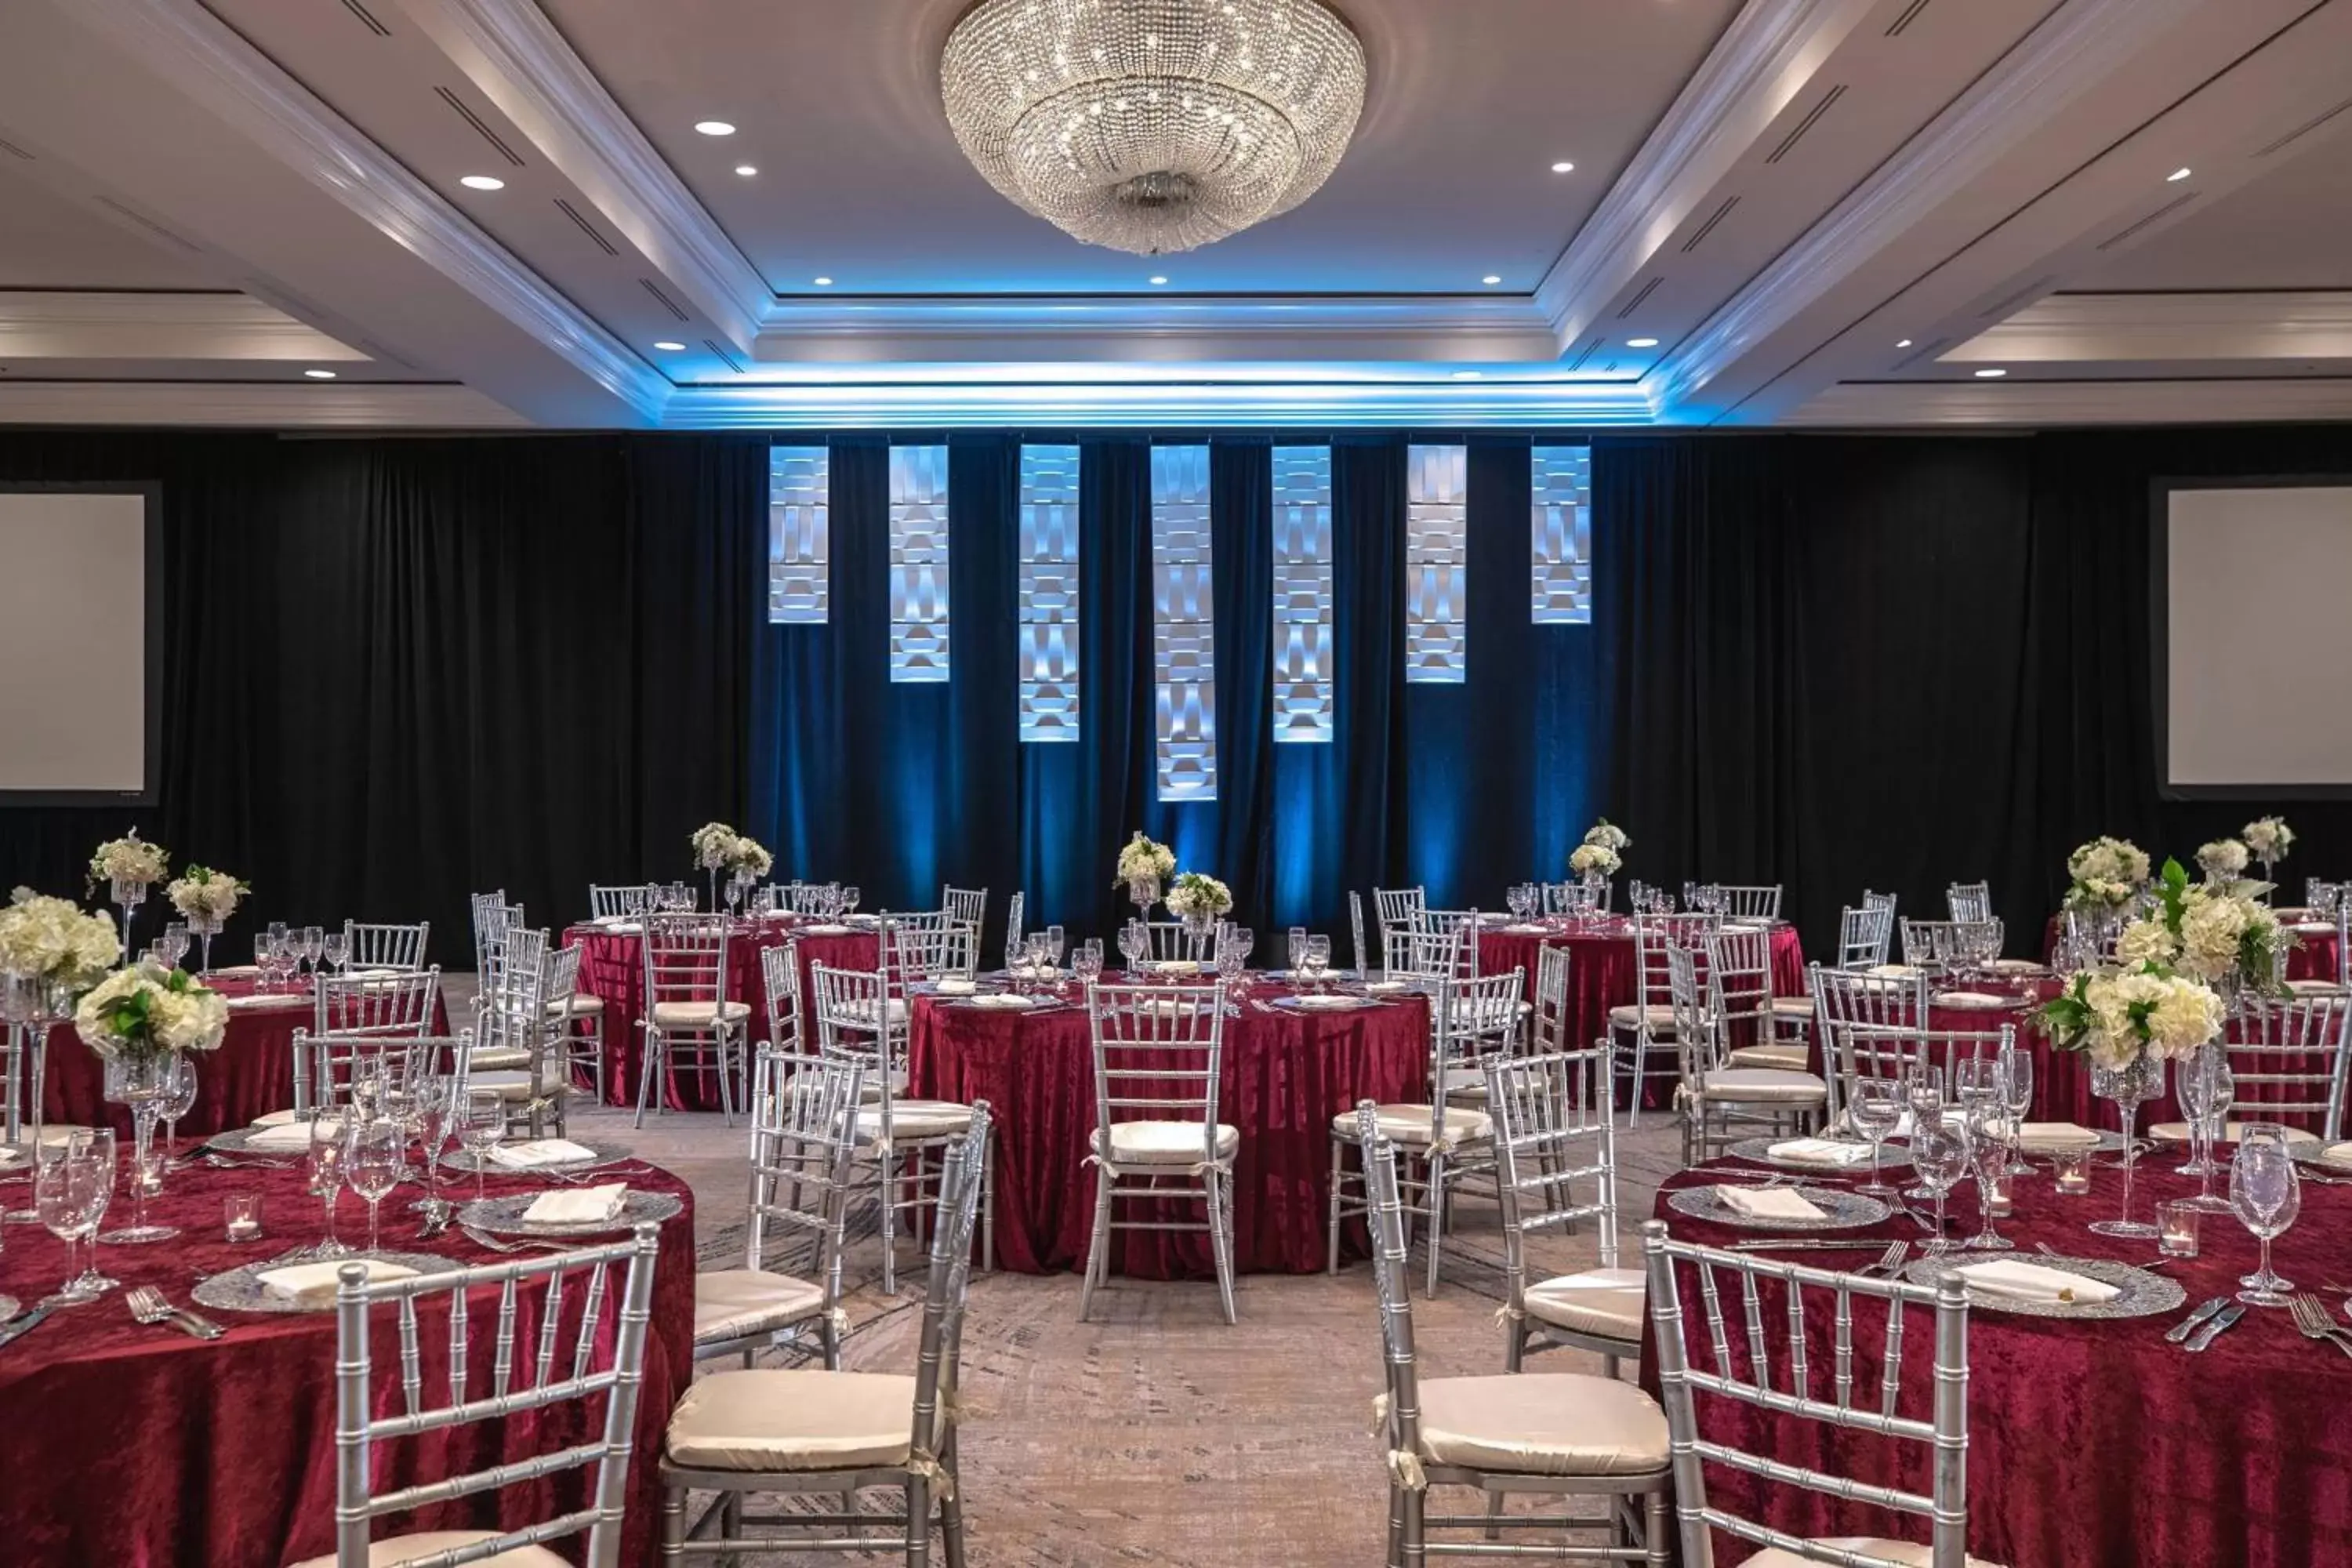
[(1143, 892), (205, 928), (33, 1004), (128, 895), (140, 1082), (2130, 1087)]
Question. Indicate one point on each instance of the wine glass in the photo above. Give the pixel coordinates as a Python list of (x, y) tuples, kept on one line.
[(1134, 942), (172, 945), (484, 1126), (1939, 1152), (327, 1179), (372, 1161), (2266, 1194), (1057, 943), (1297, 949), (314, 943), (335, 947), (849, 897), (179, 1098), (1988, 1154), (2130, 1086), (1088, 961), (71, 1184), (1875, 1110), (1317, 959), (2017, 1097), (1231, 953), (2207, 1088)]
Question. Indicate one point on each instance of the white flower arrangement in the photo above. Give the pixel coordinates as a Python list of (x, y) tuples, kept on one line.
[(2222, 860), (2117, 1017), (2214, 932), (143, 1011), (1196, 896), (2269, 838), (129, 858), (52, 939), (749, 858), (713, 844), (1590, 858), (2106, 873), (1609, 836), (1145, 858), (201, 893)]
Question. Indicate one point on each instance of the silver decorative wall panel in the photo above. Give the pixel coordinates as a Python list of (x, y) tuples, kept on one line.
[(1437, 565), (918, 564), (1183, 615), (1049, 592), (1562, 484), (1302, 594), (800, 546)]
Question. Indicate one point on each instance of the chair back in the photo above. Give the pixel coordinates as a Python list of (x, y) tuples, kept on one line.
[(1845, 998), (1696, 1045), (398, 1003), (1865, 934), (1889, 1051), (492, 916), (1476, 1021), (1886, 901), (685, 959), (2323, 896), (913, 953), (1747, 903), (628, 901), (1174, 941), (1655, 937), (1555, 1152), (1818, 1317), (1159, 1052), (1940, 946), (1738, 978), (779, 984), (1394, 909), (1426, 954), (562, 980), (853, 1011), (325, 1066), (965, 906), (593, 1363), (380, 946), (938, 1354), (803, 1144), (1547, 1030), (1464, 924), (1969, 901), (1401, 1418), (511, 1007), (1015, 912), (2287, 1057)]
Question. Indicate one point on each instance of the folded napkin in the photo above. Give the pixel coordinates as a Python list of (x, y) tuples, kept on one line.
[(545, 1151), (1036, 972), (1523, 931), (1005, 1000), (2047, 1137), (1892, 971), (1173, 966), (287, 1136), (260, 1001), (313, 1285), (2314, 928), (1972, 999), (1746, 925), (954, 985), (578, 1205), (1388, 987), (1766, 1203), (825, 931), (1326, 1002), (371, 974), (1819, 1152), (235, 971), (2011, 1280), (2339, 1155), (621, 928), (2017, 966)]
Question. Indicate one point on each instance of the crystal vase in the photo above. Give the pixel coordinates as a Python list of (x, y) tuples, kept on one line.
[(1143, 892), (33, 1004), (2129, 1087), (129, 895), (138, 1082), (204, 928)]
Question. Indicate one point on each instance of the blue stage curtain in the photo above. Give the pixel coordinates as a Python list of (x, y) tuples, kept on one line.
[(1241, 482)]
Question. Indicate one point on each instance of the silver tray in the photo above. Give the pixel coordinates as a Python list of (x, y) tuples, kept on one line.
[(503, 1217), (1893, 1155), (1839, 1210), (241, 1290), (606, 1153), (2144, 1294)]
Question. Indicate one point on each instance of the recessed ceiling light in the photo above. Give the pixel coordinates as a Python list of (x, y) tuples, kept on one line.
[(1988, 375), (1157, 280), (1491, 279), (746, 170), (821, 282), (2175, 174), (1563, 167), (1469, 374), (670, 348), (482, 182), (320, 375), (1903, 342), (1641, 343), (714, 128)]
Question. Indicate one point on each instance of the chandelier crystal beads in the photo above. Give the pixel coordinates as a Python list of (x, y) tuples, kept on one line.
[(1152, 126)]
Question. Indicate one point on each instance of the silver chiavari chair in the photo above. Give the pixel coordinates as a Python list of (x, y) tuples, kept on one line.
[(917, 952), (1556, 1433), (1864, 936), (856, 1016), (808, 898), (804, 1141), (576, 1019), (1174, 941), (2321, 896), (1940, 947), (518, 1050), (1463, 924), (779, 984), (1548, 1024), (1740, 978), (492, 916), (1450, 1146), (1648, 1022), (1843, 998), (1158, 1054), (395, 1004), (1749, 903), (628, 901), (375, 946), (965, 906), (1555, 1159), (2288, 1058), (1395, 908), (690, 1021), (806, 1430), (1825, 1357), (1886, 901), (326, 1066), (1968, 901), (1889, 1052), (1565, 898), (1718, 1099), (577, 1361), (1427, 955)]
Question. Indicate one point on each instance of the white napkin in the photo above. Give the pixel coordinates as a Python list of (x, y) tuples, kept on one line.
[(545, 1151), (1975, 999), (825, 931), (2011, 1280), (1523, 931), (235, 971), (1892, 971), (1036, 972), (1766, 1203), (2314, 928), (621, 928), (2339, 1155), (953, 985), (2046, 1137), (1006, 1000), (287, 1136), (1819, 1152), (1746, 925), (266, 1001), (2017, 966), (1388, 987), (313, 1285), (1173, 966), (1323, 1002), (578, 1206)]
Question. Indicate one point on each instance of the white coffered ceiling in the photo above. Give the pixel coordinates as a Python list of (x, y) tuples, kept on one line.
[(1825, 212)]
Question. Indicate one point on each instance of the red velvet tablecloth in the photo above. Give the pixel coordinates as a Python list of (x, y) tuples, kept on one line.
[(123, 1444), (613, 967), (251, 1075), (2092, 1444), (1285, 1076)]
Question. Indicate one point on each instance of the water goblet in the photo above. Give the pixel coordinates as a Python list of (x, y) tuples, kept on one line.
[(1939, 1152), (376, 1154), (1297, 949), (335, 947), (2017, 1097), (1057, 943), (1875, 1110), (2266, 1194), (173, 943), (1989, 1157), (849, 896), (485, 1125), (327, 1180), (179, 1098), (313, 944), (1318, 961), (70, 1190), (2207, 1088), (438, 1116), (1134, 942), (1088, 961), (2129, 1086)]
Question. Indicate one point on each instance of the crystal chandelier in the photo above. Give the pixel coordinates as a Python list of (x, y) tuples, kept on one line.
[(1153, 125)]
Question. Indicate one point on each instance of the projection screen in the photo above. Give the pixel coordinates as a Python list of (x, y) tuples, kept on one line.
[(79, 645), (2251, 586)]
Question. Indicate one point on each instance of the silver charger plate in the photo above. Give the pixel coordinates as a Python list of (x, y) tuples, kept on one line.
[(241, 1290), (1839, 1210), (606, 1153), (1347, 1003), (503, 1217), (1891, 1154), (2145, 1294)]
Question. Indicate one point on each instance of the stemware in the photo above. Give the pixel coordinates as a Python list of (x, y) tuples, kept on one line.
[(1297, 949), (1233, 952), (1875, 1110), (2207, 1088), (484, 1126), (172, 945), (1988, 1150), (849, 896), (1088, 961), (314, 943), (335, 947), (72, 1182), (1939, 1152), (2130, 1086), (1318, 960), (178, 1097), (372, 1161), (2266, 1194), (327, 1180), (438, 1115), (1057, 944), (2017, 1099), (1134, 942)]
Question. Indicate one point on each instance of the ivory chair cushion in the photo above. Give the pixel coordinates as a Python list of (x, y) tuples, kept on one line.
[(698, 1015), (1911, 1554), (1628, 1016), (516, 1085), (1542, 1424), (399, 1549), (912, 1119), (1606, 1301), (793, 1419), (1780, 1058), (871, 1088), (583, 1005), (1164, 1143), (1409, 1124), (2314, 987), (511, 1060), (1793, 1006), (732, 1302), (862, 1017), (1762, 1086)]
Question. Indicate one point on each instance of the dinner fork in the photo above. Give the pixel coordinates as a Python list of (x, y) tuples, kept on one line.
[(2047, 1251), (2311, 1315), (1890, 1262), (483, 1238), (147, 1305)]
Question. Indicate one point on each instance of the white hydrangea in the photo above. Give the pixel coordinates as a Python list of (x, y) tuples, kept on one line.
[(712, 843), (2268, 837), (2222, 860), (2106, 871), (2211, 927), (2180, 1016), (1590, 857), (2147, 941), (1145, 857), (1609, 836), (53, 939), (1198, 894), (175, 1014)]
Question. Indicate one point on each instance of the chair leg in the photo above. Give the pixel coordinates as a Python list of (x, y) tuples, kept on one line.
[(1514, 1345), (1098, 1243), (1640, 1058), (1331, 1244), (889, 1223), (987, 1225), (918, 1522), (1494, 1516), (1653, 1528), (726, 1081), (952, 1519), (1396, 1525), (1221, 1237), (648, 1068), (673, 1525), (1436, 1214), (1415, 1537), (829, 1336)]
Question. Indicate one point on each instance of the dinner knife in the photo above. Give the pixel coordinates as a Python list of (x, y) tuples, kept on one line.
[(2230, 1314), (1800, 1244), (16, 1329), (2187, 1325)]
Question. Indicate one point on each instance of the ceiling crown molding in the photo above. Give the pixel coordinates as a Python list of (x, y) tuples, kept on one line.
[(61, 324), (196, 51), (2296, 324), (254, 405), (2073, 49), (1763, 61), (2027, 405), (512, 53)]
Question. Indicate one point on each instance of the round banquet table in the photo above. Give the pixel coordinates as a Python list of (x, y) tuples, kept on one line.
[(122, 1443), (1602, 972), (251, 1075), (1284, 1076), (2090, 1443), (613, 968)]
